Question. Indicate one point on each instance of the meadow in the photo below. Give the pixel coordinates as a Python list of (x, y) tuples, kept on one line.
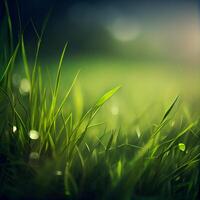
[(97, 127)]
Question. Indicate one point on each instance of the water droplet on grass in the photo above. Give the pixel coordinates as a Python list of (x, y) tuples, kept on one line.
[(181, 146), (58, 172), (33, 134), (25, 86), (34, 156), (114, 110), (14, 129)]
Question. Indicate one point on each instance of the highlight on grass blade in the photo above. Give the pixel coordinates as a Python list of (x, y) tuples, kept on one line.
[(33, 134), (119, 168)]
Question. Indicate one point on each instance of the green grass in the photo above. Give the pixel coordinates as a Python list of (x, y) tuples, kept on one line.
[(56, 143)]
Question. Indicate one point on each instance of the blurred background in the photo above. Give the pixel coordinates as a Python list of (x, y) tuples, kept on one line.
[(138, 30), (151, 48)]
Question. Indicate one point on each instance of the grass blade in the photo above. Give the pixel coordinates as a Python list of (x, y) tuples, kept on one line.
[(170, 109), (107, 96)]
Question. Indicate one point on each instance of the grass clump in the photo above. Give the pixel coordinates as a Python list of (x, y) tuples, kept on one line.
[(45, 153)]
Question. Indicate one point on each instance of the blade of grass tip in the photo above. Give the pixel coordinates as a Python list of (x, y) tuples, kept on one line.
[(57, 82), (9, 25), (39, 36), (11, 60), (36, 57), (107, 96), (59, 70), (35, 29), (45, 22), (37, 51), (66, 96), (51, 142), (25, 61), (19, 18), (93, 111), (170, 109), (110, 142), (36, 61), (128, 145), (97, 124), (87, 147)]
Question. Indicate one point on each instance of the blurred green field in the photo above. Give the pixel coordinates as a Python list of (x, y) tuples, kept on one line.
[(148, 87)]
